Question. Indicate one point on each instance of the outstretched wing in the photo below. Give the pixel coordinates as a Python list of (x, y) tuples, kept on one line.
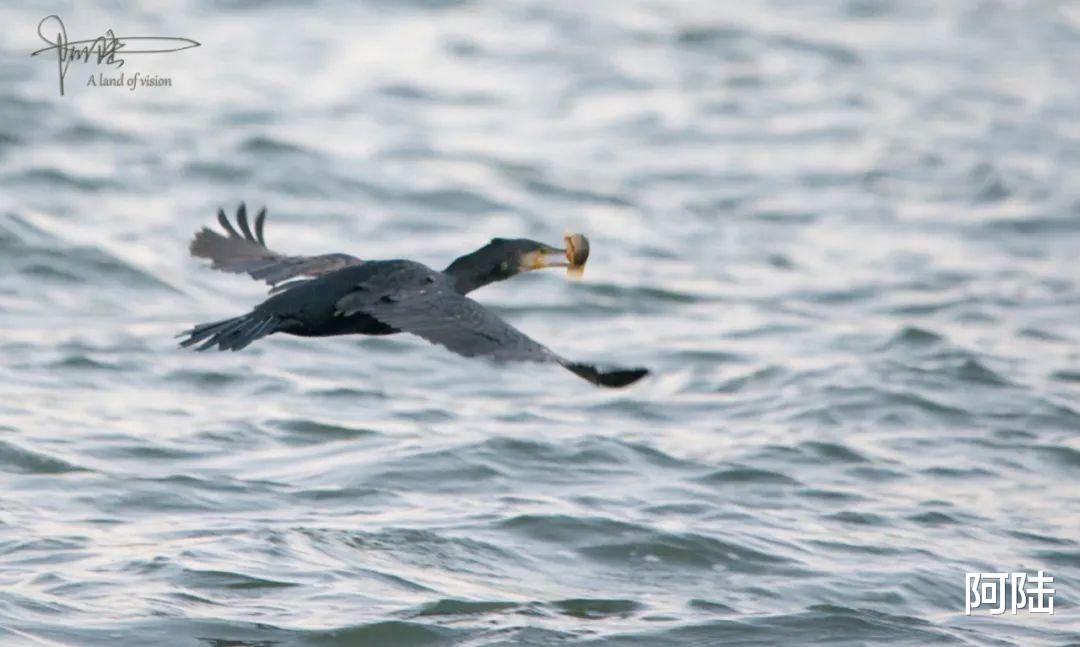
[(245, 252), (414, 299)]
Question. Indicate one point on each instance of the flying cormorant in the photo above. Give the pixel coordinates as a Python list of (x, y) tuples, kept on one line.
[(339, 294)]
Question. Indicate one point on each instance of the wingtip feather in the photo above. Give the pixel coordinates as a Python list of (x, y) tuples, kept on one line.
[(612, 379), (260, 220), (225, 224), (242, 220)]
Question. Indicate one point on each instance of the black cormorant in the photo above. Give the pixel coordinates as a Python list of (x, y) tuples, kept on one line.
[(339, 294)]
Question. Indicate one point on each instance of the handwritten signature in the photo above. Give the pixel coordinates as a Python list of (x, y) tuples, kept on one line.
[(104, 48)]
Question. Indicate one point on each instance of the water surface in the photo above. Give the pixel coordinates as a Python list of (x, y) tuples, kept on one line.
[(843, 234)]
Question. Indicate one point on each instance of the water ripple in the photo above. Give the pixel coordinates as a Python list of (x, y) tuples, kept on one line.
[(842, 235)]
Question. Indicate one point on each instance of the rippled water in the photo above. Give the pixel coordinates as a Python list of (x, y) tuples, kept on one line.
[(844, 235)]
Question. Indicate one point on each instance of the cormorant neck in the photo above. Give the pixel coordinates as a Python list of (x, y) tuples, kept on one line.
[(470, 272)]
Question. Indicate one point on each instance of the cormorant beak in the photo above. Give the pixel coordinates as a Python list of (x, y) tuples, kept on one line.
[(542, 258), (572, 257)]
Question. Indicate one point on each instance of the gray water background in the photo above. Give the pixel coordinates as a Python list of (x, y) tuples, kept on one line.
[(843, 234)]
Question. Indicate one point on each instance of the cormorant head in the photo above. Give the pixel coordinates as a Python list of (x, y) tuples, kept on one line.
[(505, 257)]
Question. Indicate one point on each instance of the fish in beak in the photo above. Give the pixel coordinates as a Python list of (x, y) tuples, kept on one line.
[(577, 252), (572, 257)]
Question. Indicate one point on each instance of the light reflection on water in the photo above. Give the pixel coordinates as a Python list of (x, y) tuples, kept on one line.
[(841, 234)]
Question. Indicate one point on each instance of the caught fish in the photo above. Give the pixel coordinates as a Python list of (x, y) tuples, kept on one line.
[(577, 253)]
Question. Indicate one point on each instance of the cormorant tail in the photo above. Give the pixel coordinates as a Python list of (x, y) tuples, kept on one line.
[(616, 378), (231, 334)]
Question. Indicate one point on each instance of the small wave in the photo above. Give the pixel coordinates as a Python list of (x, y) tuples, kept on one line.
[(1041, 334), (818, 624), (566, 528), (881, 404), (7, 140), (225, 484), (833, 452), (1034, 226), (95, 133), (25, 461), (1042, 539), (851, 548), (546, 188), (971, 370), (1060, 558), (389, 633), (349, 393), (597, 608), (351, 495), (305, 430), (217, 171), (767, 377), (709, 36), (51, 179), (1066, 376), (640, 294), (914, 337), (456, 200), (588, 450), (608, 540), (146, 451), (455, 607), (263, 145), (831, 622), (231, 580), (933, 518), (684, 551), (830, 495), (951, 472), (1062, 455), (84, 362), (38, 255), (834, 52), (425, 548), (810, 452), (710, 606), (846, 296), (436, 471), (584, 608), (745, 475), (858, 518), (409, 92), (871, 474), (766, 330), (205, 378)]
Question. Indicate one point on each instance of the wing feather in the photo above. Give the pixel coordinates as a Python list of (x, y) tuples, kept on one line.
[(414, 299), (245, 252)]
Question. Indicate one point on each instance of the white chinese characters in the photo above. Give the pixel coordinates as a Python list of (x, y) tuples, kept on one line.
[(1012, 591)]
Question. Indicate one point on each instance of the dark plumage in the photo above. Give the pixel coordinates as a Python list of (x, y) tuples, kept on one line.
[(338, 294)]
